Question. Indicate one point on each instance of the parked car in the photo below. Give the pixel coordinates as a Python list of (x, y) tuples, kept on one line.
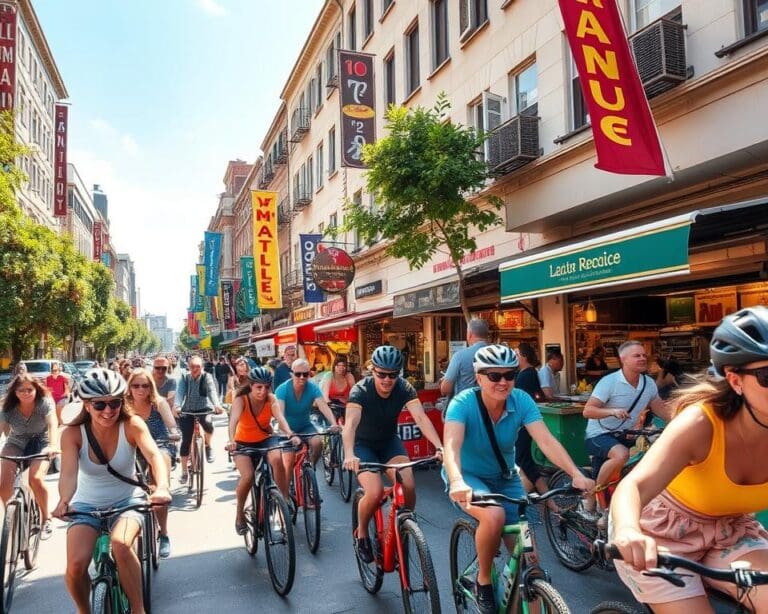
[(5, 376), (72, 371), (40, 369), (84, 365)]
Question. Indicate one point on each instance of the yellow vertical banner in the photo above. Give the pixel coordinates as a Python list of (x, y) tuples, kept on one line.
[(266, 252), (200, 279)]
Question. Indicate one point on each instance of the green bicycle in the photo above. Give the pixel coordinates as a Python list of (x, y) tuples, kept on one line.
[(520, 584)]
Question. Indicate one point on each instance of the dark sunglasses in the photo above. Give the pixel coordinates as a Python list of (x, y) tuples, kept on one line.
[(386, 374), (160, 368), (761, 374), (140, 386), (102, 405), (495, 377), (302, 374)]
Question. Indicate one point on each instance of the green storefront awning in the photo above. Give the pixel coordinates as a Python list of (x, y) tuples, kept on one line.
[(659, 249)]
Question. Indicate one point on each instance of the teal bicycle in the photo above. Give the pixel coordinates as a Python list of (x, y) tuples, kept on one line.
[(520, 584), (107, 595)]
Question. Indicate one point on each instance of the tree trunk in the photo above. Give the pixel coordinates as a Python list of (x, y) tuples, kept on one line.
[(462, 295)]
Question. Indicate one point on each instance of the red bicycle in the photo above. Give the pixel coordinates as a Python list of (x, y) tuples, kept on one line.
[(304, 491), (399, 545)]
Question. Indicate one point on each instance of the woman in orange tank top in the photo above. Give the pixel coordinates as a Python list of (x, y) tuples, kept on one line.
[(338, 385), (695, 490), (250, 426)]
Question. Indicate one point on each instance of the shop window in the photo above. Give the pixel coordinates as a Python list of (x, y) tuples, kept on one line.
[(755, 16)]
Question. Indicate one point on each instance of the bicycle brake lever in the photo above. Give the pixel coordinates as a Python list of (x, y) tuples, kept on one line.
[(673, 577)]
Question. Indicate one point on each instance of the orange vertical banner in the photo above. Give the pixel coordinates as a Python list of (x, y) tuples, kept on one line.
[(266, 252)]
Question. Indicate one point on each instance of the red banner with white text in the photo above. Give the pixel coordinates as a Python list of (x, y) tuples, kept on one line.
[(626, 138), (8, 27), (60, 162)]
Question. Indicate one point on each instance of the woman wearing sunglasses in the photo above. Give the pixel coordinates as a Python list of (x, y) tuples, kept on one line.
[(86, 484), (695, 490), (144, 401)]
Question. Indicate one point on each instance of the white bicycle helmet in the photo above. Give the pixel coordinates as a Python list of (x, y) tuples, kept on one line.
[(741, 338), (98, 383), (495, 357)]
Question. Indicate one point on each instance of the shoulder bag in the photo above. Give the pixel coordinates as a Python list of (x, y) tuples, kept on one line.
[(506, 472), (94, 445)]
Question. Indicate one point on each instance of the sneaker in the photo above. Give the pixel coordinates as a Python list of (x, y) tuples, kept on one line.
[(209, 454), (486, 600), (241, 528), (164, 550), (183, 478), (46, 530), (364, 549)]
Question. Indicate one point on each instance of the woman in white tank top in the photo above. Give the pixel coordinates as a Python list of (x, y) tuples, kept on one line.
[(86, 485)]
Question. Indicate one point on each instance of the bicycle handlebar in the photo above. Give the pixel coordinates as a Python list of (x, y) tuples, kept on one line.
[(248, 450), (648, 432), (21, 459), (102, 514), (199, 414), (492, 499), (667, 563), (379, 467)]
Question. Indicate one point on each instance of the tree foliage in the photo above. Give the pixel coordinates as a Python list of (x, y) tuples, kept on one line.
[(422, 174)]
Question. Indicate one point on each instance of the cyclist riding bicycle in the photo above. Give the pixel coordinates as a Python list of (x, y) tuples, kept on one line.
[(695, 490), (105, 429), (250, 426), (481, 429), (370, 434)]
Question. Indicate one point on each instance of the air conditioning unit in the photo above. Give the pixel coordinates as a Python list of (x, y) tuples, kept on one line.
[(514, 143), (659, 51)]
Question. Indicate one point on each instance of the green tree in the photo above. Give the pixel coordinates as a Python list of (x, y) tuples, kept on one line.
[(422, 173), (186, 341), (11, 176)]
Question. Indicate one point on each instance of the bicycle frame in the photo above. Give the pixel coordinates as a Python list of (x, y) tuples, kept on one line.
[(106, 569)]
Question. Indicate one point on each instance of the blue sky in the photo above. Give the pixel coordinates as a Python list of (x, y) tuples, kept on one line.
[(164, 93)]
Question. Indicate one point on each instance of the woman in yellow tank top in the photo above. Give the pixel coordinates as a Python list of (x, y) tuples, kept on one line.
[(696, 489), (250, 425)]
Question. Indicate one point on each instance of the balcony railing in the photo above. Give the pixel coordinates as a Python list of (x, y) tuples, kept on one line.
[(300, 122), (281, 151), (292, 281), (659, 51), (514, 143), (301, 199), (267, 175), (283, 212)]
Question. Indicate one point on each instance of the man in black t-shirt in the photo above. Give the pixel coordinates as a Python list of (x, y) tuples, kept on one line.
[(370, 434)]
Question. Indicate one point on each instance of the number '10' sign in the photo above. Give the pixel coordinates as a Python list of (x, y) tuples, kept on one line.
[(358, 110)]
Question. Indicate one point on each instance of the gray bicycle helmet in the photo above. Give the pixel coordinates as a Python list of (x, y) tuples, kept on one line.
[(741, 338), (260, 375), (387, 357), (101, 383), (495, 357)]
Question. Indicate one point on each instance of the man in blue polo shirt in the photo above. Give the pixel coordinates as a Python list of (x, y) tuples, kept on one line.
[(460, 374)]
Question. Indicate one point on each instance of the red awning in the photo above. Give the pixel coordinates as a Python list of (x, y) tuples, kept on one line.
[(354, 320)]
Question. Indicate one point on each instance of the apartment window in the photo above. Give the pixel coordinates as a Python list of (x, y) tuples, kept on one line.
[(367, 19), (357, 199), (389, 79), (285, 261), (755, 16), (320, 168), (525, 91), (351, 29), (330, 56), (333, 220), (309, 96), (412, 72), (310, 176), (647, 11), (472, 15), (296, 257), (332, 150), (579, 116), (319, 85), (385, 4), (439, 32), (296, 187), (485, 115)]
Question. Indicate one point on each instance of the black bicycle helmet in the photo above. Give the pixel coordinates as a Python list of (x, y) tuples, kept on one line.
[(741, 338), (260, 375), (495, 357), (101, 383), (387, 357)]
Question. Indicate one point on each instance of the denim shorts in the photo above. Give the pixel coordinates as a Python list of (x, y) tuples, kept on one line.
[(599, 446), (483, 486), (379, 451), (95, 523)]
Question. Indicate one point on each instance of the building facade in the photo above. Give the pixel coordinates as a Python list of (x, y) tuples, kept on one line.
[(81, 214), (159, 326)]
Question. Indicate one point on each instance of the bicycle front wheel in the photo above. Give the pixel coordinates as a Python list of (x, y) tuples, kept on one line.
[(345, 476), (145, 560), (546, 597), (463, 564), (278, 542), (200, 470), (252, 521), (153, 533), (34, 528), (419, 590), (329, 470), (101, 596), (370, 573), (615, 607), (570, 536), (311, 508), (9, 555)]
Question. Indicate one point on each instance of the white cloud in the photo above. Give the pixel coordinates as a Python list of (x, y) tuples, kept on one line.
[(102, 128), (212, 7), (129, 144)]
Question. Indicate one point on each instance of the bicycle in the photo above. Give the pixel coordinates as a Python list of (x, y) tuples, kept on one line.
[(107, 595), (333, 456), (520, 584), (743, 578), (570, 533), (21, 530), (267, 517), (399, 545), (305, 492), (196, 463)]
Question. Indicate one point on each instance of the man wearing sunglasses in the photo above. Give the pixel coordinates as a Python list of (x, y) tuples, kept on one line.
[(475, 462), (166, 386), (370, 434)]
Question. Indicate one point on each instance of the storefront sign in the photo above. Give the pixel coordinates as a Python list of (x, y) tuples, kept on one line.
[(333, 308), (510, 319), (650, 251), (333, 269), (289, 335), (481, 254), (266, 250), (97, 241), (358, 113), (212, 256), (712, 307), (309, 243), (60, 158), (443, 296), (625, 134), (265, 348), (370, 289), (753, 296), (304, 315), (8, 59), (680, 310)]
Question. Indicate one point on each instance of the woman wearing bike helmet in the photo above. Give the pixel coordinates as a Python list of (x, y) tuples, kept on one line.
[(471, 464), (250, 426), (695, 490), (86, 484)]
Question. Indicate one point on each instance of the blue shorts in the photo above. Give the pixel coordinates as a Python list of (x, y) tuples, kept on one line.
[(379, 451), (304, 429), (483, 486), (95, 523), (599, 446)]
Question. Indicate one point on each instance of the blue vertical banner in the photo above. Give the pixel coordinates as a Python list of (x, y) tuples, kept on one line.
[(212, 256), (192, 292), (312, 293), (248, 273), (197, 300)]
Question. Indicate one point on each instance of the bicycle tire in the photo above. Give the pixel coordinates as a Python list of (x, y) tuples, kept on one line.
[(462, 558), (199, 453), (327, 457), (9, 555), (570, 542), (34, 529), (345, 476), (414, 601), (145, 560), (101, 598), (311, 508), (281, 569), (251, 513), (551, 601), (616, 607), (371, 574), (191, 464), (154, 536)]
